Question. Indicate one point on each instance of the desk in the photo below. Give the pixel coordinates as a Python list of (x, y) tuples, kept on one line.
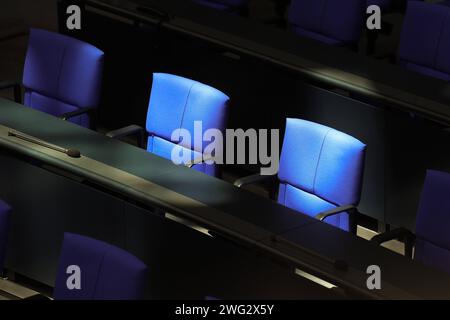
[(115, 192), (270, 75)]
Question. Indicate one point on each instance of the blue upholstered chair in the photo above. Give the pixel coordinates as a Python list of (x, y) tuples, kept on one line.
[(320, 173), (62, 76), (425, 40), (107, 272), (432, 239), (234, 6), (5, 212), (177, 102), (338, 23)]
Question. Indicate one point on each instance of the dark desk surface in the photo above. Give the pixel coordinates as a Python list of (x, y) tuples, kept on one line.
[(334, 244), (233, 212), (338, 67)]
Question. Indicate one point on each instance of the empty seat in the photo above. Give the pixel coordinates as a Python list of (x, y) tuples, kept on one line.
[(320, 173), (432, 238), (62, 76), (177, 103), (5, 212), (106, 272), (338, 23), (425, 40)]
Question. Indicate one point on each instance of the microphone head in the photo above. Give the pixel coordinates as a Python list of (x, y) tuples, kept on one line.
[(73, 153)]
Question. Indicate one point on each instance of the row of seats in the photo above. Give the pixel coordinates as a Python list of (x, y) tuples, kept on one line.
[(62, 77), (239, 6), (340, 23), (424, 41), (111, 273), (337, 23), (321, 169)]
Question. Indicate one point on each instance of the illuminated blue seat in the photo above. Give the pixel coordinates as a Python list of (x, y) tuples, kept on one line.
[(5, 212), (320, 169), (177, 103), (338, 23), (320, 173), (106, 272), (62, 76), (431, 240)]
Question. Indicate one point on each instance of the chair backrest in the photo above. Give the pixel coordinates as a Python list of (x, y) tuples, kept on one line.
[(320, 168), (425, 39), (61, 74), (383, 4), (433, 222), (333, 22), (106, 272), (176, 103), (5, 211)]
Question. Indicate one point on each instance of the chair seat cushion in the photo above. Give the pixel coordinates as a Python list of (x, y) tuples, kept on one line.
[(309, 204), (163, 148), (54, 107)]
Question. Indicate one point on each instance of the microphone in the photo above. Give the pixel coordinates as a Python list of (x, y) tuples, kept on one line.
[(73, 153)]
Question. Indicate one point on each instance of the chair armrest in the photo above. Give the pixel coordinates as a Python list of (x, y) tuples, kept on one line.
[(398, 233), (72, 114), (351, 210), (17, 89), (198, 161), (391, 235), (128, 131), (332, 212), (256, 178)]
